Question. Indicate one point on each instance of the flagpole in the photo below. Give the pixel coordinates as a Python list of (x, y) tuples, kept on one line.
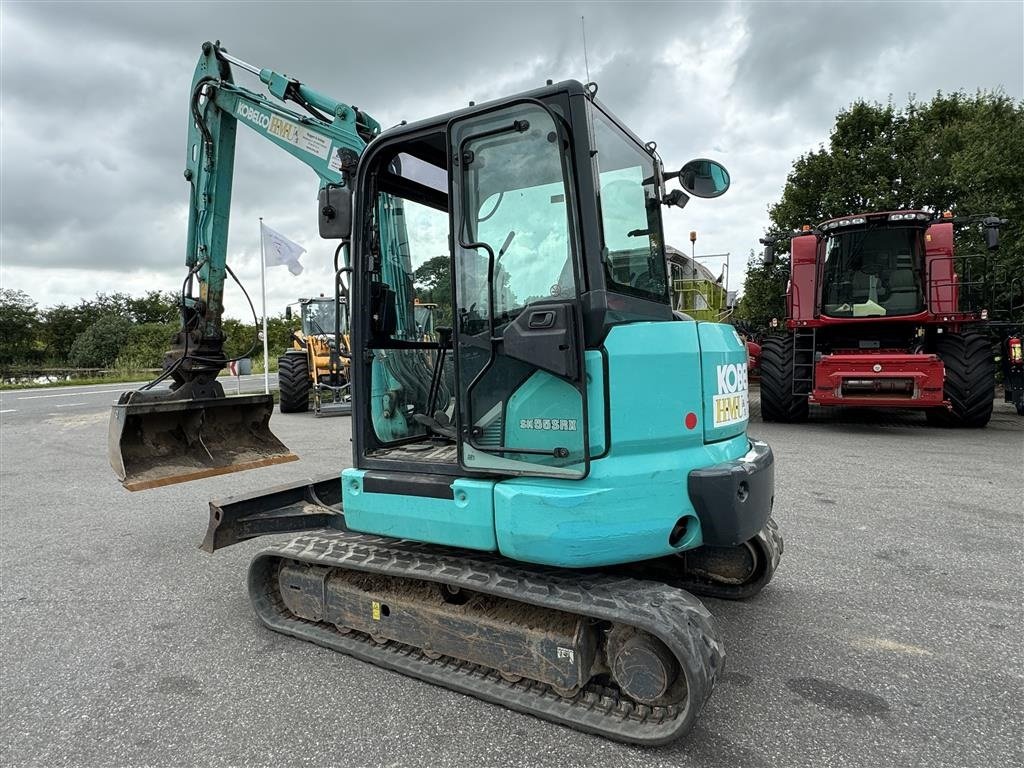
[(263, 286)]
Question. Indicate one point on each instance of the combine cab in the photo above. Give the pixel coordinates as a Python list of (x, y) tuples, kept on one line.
[(879, 315)]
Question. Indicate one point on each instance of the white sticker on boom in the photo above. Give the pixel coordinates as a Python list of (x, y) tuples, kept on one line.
[(567, 653), (730, 405), (334, 163)]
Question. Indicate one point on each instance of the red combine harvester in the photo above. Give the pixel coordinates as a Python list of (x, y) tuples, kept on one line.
[(878, 316)]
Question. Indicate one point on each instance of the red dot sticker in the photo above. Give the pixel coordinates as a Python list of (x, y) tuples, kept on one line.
[(691, 420)]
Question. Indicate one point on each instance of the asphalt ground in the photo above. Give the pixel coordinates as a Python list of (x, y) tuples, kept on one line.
[(891, 636)]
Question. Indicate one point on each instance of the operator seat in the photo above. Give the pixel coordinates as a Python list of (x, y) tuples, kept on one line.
[(860, 287), (904, 296)]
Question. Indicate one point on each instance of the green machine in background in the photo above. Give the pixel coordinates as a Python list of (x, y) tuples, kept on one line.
[(695, 290)]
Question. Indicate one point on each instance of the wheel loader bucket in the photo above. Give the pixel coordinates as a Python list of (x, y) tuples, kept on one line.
[(173, 441)]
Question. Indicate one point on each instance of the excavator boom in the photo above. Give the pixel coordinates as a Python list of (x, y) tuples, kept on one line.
[(192, 430)]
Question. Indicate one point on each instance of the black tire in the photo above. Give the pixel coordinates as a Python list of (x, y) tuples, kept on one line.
[(293, 381), (1019, 405), (970, 381), (778, 403)]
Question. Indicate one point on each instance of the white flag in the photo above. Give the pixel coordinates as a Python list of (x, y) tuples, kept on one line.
[(279, 250)]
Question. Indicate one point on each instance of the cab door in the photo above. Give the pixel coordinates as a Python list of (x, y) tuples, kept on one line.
[(521, 394)]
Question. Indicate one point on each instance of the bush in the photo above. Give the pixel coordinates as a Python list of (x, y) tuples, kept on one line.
[(147, 344), (99, 344)]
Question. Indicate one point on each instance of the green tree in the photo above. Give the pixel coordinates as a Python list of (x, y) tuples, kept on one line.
[(19, 322), (764, 293), (957, 152), (433, 281), (99, 344), (155, 307), (241, 336), (145, 346)]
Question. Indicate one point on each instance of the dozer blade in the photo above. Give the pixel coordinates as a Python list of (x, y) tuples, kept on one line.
[(173, 441), (304, 505)]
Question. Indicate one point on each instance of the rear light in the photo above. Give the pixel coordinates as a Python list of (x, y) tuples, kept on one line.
[(1016, 353)]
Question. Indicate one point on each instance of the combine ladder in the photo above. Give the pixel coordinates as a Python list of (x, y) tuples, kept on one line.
[(804, 346)]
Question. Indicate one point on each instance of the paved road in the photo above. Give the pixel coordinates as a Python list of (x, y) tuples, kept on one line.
[(18, 406), (890, 637)]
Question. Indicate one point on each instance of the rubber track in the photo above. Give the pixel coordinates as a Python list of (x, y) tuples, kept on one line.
[(970, 383), (293, 381), (678, 619), (778, 403)]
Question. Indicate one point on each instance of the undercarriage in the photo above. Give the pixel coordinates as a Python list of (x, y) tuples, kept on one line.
[(626, 652)]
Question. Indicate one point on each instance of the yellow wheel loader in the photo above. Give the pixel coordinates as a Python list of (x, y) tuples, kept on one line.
[(318, 362)]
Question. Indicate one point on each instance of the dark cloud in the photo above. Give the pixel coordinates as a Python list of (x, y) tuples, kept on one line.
[(94, 106)]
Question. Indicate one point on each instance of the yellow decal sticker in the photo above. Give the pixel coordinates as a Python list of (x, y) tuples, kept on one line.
[(730, 405), (281, 128), (730, 409), (375, 610)]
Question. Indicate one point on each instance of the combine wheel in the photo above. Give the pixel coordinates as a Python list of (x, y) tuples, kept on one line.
[(778, 403), (970, 384), (294, 383)]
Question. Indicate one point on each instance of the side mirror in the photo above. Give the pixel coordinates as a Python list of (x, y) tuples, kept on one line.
[(991, 225), (769, 254), (704, 178), (288, 312), (335, 212)]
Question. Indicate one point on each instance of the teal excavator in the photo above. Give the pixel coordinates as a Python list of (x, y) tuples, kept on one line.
[(537, 492)]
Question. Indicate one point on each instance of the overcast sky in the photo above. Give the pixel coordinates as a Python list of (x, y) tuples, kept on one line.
[(94, 107)]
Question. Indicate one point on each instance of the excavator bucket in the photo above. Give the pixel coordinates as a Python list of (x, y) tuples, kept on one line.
[(163, 442)]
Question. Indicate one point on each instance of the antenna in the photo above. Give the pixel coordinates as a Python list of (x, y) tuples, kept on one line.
[(583, 28)]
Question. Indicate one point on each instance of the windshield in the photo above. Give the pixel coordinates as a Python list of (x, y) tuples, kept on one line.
[(630, 214), (318, 318), (873, 273)]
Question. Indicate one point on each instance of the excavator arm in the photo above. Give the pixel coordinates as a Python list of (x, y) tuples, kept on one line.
[(329, 140), (160, 436)]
